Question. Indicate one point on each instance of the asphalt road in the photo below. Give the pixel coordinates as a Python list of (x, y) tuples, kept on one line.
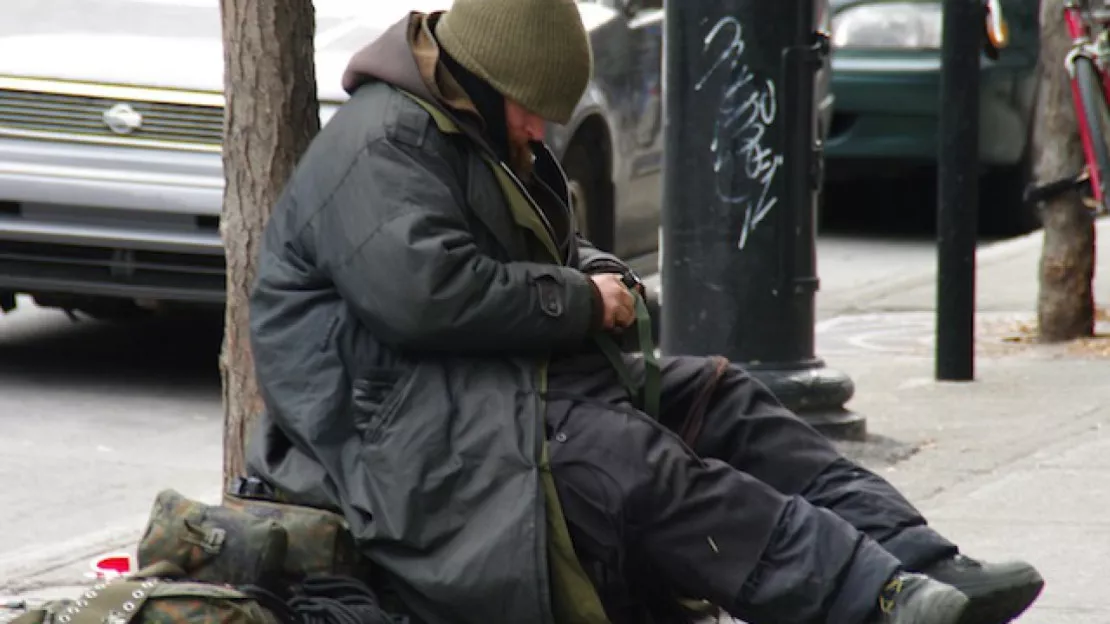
[(94, 420)]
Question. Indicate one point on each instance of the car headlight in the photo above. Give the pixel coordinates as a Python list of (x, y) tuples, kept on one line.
[(889, 25)]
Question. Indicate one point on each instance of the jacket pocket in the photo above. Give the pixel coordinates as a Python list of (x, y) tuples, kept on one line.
[(374, 396)]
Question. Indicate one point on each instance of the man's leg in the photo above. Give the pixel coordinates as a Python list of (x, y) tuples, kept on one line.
[(723, 413), (638, 502)]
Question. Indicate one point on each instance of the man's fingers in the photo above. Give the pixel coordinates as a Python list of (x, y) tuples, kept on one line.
[(627, 314), (628, 308), (613, 319), (620, 302), (627, 300)]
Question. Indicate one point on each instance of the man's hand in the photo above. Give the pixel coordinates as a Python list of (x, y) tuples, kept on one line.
[(617, 299)]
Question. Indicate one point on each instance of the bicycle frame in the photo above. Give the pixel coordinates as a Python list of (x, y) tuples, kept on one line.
[(1096, 49)]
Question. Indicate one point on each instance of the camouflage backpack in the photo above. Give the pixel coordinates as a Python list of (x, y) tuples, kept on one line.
[(151, 597), (246, 561), (249, 541), (213, 544)]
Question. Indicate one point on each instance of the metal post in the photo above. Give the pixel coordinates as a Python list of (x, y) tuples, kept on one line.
[(740, 183), (958, 189)]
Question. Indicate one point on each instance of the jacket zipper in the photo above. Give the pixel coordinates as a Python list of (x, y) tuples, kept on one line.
[(535, 208), (540, 438), (484, 147)]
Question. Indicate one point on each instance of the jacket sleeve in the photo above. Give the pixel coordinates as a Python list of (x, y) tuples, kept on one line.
[(592, 260), (395, 242)]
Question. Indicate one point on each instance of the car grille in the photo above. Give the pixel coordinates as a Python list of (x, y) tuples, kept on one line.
[(98, 269), (67, 115)]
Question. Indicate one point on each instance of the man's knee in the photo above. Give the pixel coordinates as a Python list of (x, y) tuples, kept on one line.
[(615, 442), (601, 461)]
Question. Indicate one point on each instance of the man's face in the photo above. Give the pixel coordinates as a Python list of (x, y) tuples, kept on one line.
[(523, 127)]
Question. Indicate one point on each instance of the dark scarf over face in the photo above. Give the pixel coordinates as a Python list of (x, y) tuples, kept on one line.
[(490, 105)]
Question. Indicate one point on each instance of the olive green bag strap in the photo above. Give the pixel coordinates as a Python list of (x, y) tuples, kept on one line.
[(647, 394)]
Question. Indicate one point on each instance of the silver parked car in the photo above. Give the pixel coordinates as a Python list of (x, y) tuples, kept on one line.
[(111, 116)]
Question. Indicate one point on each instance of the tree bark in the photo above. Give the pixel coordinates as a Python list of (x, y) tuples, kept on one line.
[(1065, 306), (271, 116)]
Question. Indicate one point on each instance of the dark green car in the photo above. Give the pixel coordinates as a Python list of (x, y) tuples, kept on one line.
[(886, 81)]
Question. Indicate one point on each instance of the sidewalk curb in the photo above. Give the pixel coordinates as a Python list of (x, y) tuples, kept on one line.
[(986, 256), (28, 565), (24, 564), (1078, 428)]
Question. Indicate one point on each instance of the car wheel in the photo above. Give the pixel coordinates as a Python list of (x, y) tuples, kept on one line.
[(1003, 211), (586, 179)]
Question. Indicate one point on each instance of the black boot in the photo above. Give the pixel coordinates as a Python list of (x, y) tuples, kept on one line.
[(999, 592), (918, 599)]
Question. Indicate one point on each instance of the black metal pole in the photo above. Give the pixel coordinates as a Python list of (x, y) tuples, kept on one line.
[(958, 189), (740, 183)]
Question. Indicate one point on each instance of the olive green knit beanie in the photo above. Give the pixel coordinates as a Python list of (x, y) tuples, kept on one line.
[(535, 52)]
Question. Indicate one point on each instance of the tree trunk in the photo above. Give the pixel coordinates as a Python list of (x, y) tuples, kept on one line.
[(1065, 307), (271, 116)]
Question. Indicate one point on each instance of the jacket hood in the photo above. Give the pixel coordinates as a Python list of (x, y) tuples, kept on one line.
[(388, 59), (391, 59)]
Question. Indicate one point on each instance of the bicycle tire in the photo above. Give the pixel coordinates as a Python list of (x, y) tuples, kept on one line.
[(1095, 112)]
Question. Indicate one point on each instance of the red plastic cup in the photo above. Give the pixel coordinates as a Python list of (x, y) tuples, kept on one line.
[(112, 566)]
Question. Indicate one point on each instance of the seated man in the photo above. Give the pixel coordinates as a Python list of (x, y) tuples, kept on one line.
[(428, 331)]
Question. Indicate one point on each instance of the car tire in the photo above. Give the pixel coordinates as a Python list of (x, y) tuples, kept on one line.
[(1002, 207), (587, 179), (1003, 211)]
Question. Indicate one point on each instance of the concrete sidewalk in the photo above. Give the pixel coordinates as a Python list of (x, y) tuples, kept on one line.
[(1016, 463)]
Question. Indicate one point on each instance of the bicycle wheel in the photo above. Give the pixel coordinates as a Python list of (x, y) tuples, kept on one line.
[(1097, 116)]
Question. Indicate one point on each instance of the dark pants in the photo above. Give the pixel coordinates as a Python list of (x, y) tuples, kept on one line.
[(728, 498)]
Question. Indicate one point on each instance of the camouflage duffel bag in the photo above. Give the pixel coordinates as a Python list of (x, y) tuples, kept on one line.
[(319, 541), (213, 544), (143, 599), (249, 540)]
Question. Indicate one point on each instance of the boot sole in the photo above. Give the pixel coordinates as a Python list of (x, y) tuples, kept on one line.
[(999, 605)]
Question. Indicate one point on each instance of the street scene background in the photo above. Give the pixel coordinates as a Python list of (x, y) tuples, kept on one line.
[(96, 417)]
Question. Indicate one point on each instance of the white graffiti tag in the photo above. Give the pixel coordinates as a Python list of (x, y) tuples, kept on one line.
[(746, 109)]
